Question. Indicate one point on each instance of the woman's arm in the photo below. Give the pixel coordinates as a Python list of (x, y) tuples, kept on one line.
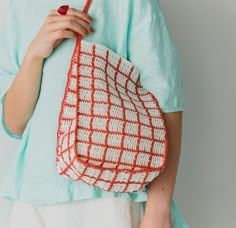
[(158, 207), (21, 98)]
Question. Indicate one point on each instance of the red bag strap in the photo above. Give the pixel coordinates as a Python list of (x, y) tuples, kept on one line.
[(87, 5), (85, 10)]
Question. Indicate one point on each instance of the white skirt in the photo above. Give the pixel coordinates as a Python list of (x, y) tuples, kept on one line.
[(93, 213)]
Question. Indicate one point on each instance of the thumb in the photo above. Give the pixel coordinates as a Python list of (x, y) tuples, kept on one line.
[(57, 43)]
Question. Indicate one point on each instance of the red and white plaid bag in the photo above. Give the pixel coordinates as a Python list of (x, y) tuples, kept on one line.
[(111, 131)]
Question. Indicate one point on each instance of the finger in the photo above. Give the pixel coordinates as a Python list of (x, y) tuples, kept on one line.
[(69, 25), (57, 43), (62, 34), (75, 12), (80, 14), (53, 12), (84, 24), (71, 19)]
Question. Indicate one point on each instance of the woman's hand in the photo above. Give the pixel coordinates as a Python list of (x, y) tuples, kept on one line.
[(56, 28), (158, 221), (24, 91)]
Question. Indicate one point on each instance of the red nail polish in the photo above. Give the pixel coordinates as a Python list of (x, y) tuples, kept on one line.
[(63, 9)]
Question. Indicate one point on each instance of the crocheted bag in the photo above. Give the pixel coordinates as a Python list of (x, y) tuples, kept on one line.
[(111, 131)]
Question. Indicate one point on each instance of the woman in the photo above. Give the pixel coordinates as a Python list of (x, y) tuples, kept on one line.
[(36, 46)]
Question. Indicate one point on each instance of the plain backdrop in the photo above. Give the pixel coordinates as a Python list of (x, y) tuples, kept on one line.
[(205, 36)]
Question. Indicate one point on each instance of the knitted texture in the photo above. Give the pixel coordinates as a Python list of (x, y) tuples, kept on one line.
[(111, 131)]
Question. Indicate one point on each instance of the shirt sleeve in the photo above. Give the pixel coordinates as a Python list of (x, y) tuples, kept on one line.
[(152, 50), (9, 64)]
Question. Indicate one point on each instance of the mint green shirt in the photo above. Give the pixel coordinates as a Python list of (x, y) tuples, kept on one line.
[(136, 30)]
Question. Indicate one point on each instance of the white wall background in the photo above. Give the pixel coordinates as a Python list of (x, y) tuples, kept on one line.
[(205, 35)]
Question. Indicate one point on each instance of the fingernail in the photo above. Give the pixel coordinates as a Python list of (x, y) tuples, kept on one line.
[(63, 9)]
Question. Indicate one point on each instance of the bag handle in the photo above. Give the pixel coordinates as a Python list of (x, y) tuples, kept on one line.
[(86, 6), (85, 10)]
